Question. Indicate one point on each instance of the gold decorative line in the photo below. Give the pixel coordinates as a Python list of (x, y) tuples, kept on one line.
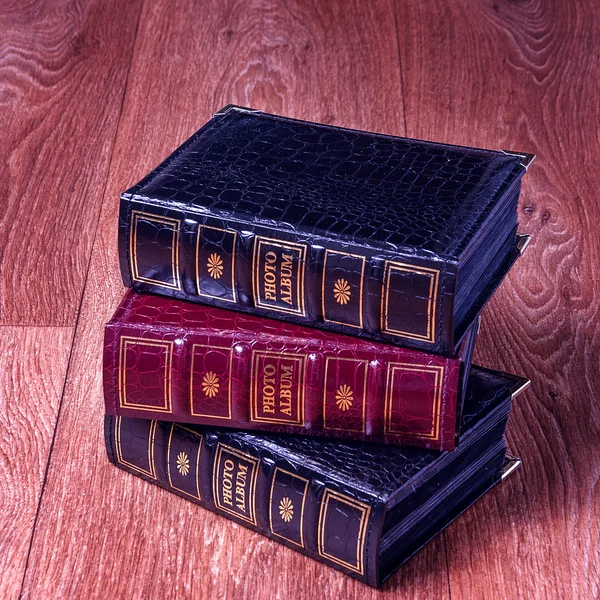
[(360, 287), (201, 438), (175, 224), (126, 340), (258, 240), (150, 473), (254, 462), (306, 482), (254, 378), (228, 349), (365, 509), (198, 237), (364, 399), (433, 275), (438, 371)]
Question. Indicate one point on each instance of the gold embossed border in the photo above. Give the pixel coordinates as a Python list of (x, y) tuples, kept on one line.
[(258, 240), (256, 354), (152, 472), (229, 349), (122, 372), (434, 275), (359, 566), (198, 238), (364, 402), (437, 399), (306, 482), (201, 437), (360, 293), (255, 462), (175, 224)]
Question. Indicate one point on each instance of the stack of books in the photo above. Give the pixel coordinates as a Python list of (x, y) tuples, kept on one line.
[(295, 352)]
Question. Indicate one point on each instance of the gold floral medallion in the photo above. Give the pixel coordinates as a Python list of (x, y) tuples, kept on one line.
[(183, 463), (286, 509), (215, 266), (210, 384), (344, 397), (341, 291)]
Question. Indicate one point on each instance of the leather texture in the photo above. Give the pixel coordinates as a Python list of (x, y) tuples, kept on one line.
[(353, 232), (183, 362), (326, 499)]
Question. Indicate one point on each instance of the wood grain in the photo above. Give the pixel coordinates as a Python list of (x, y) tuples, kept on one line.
[(94, 100), (34, 365), (298, 59), (63, 67), (525, 77)]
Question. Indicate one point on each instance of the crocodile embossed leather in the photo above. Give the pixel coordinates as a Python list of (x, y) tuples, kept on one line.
[(391, 239), (179, 361), (361, 508)]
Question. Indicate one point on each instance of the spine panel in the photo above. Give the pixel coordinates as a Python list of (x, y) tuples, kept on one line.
[(251, 485), (286, 275)]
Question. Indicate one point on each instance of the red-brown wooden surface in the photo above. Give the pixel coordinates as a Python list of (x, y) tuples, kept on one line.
[(93, 94)]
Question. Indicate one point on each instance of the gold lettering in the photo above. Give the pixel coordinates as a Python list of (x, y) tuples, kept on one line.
[(227, 485), (268, 390), (285, 282), (285, 389), (240, 488)]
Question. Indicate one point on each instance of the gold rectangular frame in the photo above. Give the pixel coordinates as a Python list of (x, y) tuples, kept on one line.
[(360, 546), (175, 224), (364, 404), (254, 383), (306, 482), (199, 435), (230, 350), (198, 235), (255, 462), (122, 370), (360, 297), (152, 432), (438, 370), (434, 275), (258, 240)]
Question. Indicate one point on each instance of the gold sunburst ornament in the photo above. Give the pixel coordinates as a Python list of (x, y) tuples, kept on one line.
[(210, 384), (344, 397), (286, 509), (183, 463), (341, 291), (215, 266)]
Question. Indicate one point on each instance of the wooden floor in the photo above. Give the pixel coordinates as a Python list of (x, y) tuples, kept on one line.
[(93, 94)]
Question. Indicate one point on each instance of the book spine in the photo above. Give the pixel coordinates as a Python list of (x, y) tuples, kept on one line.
[(291, 385), (287, 275), (248, 483)]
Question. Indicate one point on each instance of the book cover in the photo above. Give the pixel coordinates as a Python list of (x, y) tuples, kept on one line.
[(184, 362), (395, 240), (361, 508)]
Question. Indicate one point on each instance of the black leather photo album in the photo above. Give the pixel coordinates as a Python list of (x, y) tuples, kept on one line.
[(393, 239), (361, 508)]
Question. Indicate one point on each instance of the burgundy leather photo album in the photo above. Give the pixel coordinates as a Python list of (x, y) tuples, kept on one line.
[(178, 361)]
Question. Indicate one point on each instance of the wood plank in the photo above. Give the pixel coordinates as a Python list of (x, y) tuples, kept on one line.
[(34, 361), (131, 537), (521, 76), (63, 67)]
